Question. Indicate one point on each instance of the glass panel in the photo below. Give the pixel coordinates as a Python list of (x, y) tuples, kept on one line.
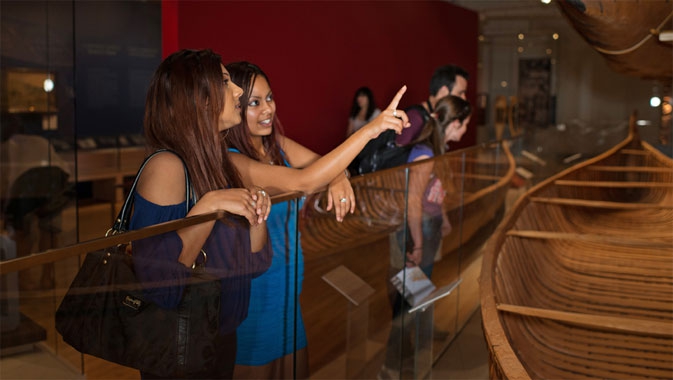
[(38, 178), (348, 298), (271, 341), (55, 190), (450, 204)]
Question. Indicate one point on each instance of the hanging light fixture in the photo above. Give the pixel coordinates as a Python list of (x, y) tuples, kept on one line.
[(48, 84)]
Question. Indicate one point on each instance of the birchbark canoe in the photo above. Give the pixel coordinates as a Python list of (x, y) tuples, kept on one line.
[(577, 281), (626, 33)]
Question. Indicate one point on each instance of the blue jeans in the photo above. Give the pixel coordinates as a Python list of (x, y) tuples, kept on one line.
[(400, 344)]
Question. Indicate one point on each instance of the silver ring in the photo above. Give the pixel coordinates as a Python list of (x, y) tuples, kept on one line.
[(262, 192), (395, 113), (343, 200)]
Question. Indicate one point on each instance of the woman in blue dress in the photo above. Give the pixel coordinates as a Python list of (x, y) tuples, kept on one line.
[(272, 339)]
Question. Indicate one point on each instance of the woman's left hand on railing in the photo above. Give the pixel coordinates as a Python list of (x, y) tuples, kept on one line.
[(340, 196)]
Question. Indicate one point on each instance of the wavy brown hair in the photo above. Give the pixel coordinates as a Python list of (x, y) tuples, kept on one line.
[(244, 74), (184, 101), (447, 109)]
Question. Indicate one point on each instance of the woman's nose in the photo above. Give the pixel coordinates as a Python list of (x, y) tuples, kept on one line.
[(237, 91)]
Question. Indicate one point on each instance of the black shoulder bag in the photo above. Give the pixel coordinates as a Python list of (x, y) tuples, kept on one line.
[(105, 313)]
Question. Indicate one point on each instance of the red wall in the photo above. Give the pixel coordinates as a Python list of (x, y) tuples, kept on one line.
[(317, 53)]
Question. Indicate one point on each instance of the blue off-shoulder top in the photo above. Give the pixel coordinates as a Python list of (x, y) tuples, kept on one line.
[(229, 257)]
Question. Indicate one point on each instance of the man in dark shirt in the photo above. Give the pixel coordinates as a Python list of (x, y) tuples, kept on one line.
[(446, 80)]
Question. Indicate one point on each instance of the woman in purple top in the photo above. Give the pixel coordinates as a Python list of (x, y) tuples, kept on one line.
[(190, 101), (427, 223), (426, 194)]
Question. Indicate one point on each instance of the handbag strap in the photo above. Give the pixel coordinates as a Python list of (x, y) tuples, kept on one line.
[(123, 219)]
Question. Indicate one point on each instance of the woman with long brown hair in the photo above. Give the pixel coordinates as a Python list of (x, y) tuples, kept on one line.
[(191, 99)]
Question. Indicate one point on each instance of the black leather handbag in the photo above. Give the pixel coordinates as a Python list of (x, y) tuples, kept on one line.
[(105, 313)]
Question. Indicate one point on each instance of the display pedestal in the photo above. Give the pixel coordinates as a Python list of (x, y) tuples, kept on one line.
[(357, 292), (420, 318)]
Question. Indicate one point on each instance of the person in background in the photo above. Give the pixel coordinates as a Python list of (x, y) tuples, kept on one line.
[(416, 243), (270, 340), (363, 110), (36, 184), (446, 80), (190, 100)]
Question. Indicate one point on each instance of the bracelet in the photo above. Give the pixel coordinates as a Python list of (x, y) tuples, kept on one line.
[(347, 173)]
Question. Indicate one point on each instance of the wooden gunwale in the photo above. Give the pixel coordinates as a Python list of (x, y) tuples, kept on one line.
[(610, 281)]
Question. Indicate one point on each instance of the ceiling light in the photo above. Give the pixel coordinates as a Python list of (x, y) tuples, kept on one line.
[(555, 36), (545, 1), (655, 101), (520, 36)]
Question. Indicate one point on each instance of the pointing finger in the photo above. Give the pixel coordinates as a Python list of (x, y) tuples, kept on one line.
[(396, 100)]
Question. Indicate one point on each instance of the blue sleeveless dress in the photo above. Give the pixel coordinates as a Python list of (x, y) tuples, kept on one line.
[(274, 326)]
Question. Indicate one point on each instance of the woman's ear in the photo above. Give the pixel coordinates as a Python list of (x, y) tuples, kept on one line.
[(454, 124)]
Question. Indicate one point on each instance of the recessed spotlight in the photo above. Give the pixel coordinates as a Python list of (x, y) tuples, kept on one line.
[(520, 36), (555, 36)]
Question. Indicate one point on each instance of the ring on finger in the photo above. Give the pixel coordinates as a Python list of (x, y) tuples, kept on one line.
[(261, 191), (395, 113), (343, 200)]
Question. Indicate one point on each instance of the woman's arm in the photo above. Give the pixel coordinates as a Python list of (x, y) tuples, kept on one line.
[(339, 188), (278, 179), (419, 176), (163, 183)]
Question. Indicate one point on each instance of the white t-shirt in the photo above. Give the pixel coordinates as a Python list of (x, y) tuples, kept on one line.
[(357, 124)]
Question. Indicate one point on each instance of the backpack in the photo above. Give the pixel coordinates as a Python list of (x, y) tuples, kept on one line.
[(382, 152)]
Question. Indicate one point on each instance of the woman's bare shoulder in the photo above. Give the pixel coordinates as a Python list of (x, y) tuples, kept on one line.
[(162, 181)]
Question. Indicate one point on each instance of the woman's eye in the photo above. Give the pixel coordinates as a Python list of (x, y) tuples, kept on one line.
[(253, 103), (226, 82), (269, 98)]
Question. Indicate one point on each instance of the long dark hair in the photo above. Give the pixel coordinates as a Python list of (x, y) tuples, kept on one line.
[(371, 104), (184, 102), (447, 109), (244, 74)]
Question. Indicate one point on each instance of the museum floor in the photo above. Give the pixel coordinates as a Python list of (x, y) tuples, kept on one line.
[(466, 358)]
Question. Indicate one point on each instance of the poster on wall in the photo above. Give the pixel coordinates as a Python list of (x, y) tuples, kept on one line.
[(534, 104)]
